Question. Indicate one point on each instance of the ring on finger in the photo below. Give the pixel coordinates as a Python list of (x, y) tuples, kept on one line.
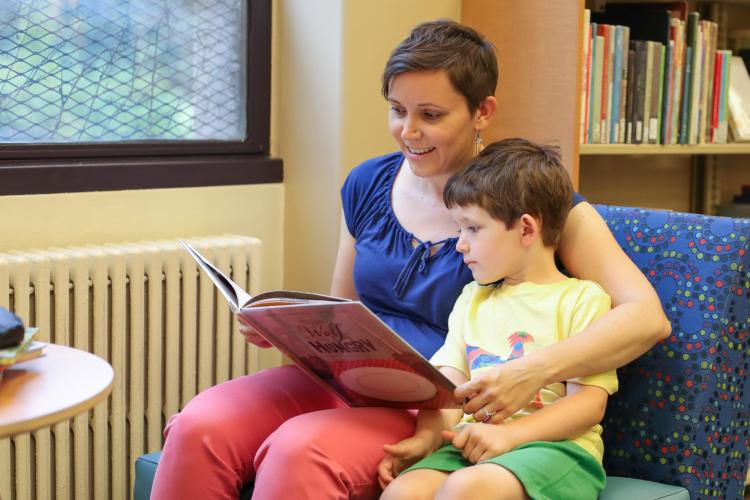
[(487, 414)]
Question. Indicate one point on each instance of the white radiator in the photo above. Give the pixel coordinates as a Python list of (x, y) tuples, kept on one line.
[(147, 309)]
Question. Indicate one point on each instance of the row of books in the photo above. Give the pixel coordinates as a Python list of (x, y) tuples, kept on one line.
[(656, 78)]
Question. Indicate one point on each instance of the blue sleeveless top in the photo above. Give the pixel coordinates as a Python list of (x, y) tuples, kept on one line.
[(409, 289)]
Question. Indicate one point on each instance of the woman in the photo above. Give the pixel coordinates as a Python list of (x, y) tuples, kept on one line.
[(396, 254)]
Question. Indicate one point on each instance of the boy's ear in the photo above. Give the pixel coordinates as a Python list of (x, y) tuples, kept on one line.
[(531, 229)]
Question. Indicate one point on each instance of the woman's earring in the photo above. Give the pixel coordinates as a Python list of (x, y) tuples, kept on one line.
[(478, 144)]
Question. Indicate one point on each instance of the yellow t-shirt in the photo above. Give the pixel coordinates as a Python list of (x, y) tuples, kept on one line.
[(493, 324)]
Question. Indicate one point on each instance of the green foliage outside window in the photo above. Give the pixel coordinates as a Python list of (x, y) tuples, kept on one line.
[(121, 70)]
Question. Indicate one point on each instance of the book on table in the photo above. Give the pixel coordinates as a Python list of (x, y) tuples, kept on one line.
[(340, 343), (26, 350)]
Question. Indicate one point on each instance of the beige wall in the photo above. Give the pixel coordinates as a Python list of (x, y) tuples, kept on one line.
[(330, 112), (40, 221)]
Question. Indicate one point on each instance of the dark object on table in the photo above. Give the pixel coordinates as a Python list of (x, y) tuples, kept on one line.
[(11, 329)]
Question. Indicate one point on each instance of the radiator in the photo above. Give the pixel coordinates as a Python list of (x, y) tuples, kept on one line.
[(147, 309)]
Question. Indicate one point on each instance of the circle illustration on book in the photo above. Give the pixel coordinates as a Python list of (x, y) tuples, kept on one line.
[(388, 384)]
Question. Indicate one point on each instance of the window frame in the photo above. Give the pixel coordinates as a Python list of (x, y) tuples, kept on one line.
[(55, 168)]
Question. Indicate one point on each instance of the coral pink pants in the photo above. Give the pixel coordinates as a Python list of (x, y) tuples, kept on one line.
[(281, 429)]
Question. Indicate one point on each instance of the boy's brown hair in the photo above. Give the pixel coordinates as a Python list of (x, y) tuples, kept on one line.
[(513, 177), (467, 57)]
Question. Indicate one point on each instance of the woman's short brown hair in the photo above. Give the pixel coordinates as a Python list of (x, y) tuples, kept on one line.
[(513, 177), (467, 57)]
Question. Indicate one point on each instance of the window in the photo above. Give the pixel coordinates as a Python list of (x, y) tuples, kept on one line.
[(122, 94)]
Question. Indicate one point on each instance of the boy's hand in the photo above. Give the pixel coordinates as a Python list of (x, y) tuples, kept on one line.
[(401, 455), (480, 441), (251, 334)]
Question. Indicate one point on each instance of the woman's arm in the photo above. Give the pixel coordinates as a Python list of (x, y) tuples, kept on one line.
[(343, 273), (635, 323), (567, 418)]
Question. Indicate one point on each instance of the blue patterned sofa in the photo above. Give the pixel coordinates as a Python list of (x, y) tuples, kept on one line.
[(682, 415), (680, 424)]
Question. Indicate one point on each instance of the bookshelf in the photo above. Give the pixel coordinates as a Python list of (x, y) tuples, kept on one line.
[(540, 55), (536, 91), (740, 148)]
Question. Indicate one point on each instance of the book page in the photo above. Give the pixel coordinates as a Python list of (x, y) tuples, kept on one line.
[(236, 296), (239, 298)]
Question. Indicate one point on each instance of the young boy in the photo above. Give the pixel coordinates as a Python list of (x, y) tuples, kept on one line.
[(510, 204)]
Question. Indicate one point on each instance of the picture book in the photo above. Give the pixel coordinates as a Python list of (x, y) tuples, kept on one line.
[(340, 343)]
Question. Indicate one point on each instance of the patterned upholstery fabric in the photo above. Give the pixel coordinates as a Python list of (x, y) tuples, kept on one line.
[(682, 415)]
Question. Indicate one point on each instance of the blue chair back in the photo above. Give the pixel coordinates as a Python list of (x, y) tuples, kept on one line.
[(682, 415)]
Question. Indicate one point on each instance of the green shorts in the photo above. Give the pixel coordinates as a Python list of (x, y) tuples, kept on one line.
[(548, 470)]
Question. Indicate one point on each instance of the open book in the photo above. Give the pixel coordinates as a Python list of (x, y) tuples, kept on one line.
[(340, 343)]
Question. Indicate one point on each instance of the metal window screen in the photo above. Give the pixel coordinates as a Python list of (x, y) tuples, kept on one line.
[(122, 70)]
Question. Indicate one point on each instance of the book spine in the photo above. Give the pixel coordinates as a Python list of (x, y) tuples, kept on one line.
[(695, 85), (714, 32), (713, 135), (641, 56), (624, 82), (704, 111), (723, 105), (679, 39), (686, 97), (592, 86), (596, 109), (605, 84), (614, 127), (656, 99), (611, 32), (648, 90), (586, 46), (629, 131), (667, 89)]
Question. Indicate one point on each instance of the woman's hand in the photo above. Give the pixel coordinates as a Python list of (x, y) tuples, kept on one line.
[(400, 456), (501, 391), (251, 334), (479, 442)]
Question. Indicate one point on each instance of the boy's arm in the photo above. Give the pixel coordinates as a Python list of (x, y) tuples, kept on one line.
[(567, 418), (430, 423), (426, 439)]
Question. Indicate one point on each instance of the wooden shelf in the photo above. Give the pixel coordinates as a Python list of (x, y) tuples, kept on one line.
[(657, 149), (601, 3)]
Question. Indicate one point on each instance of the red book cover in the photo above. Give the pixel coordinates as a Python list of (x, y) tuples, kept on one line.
[(716, 100)]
